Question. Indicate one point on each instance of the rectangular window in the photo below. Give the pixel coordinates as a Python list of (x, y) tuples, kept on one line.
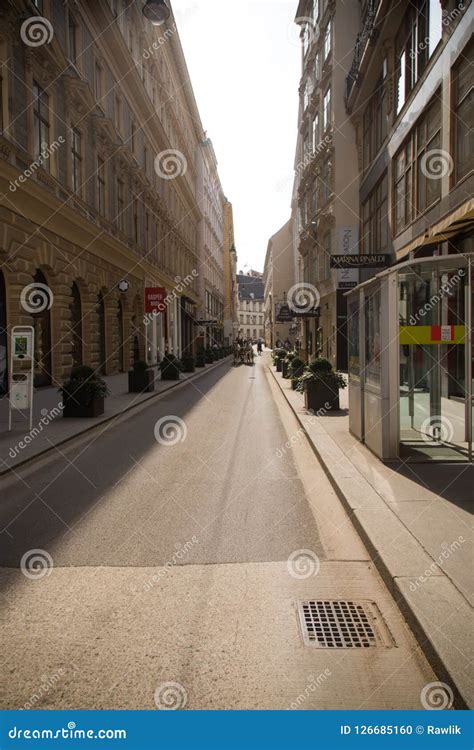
[(76, 159), (315, 132), (40, 122), (120, 205), (374, 124), (463, 114), (375, 220), (416, 182), (417, 38), (327, 109), (327, 40), (326, 181), (98, 81), (72, 38), (101, 185)]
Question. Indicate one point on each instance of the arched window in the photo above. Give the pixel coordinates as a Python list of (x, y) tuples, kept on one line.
[(75, 308), (3, 338), (42, 327)]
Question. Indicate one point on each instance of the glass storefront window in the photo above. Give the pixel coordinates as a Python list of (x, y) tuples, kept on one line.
[(372, 339), (353, 338)]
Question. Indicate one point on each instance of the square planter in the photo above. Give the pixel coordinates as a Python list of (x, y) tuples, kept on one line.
[(279, 365), (285, 369), (200, 360), (74, 410), (317, 394), (141, 382), (188, 367), (170, 373)]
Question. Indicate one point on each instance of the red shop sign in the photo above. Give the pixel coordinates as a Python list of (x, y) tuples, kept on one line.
[(154, 299)]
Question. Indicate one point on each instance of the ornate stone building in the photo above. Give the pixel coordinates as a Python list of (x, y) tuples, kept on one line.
[(231, 323), (98, 143), (326, 171)]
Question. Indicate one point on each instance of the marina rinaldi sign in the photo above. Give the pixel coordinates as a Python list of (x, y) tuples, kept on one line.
[(359, 261)]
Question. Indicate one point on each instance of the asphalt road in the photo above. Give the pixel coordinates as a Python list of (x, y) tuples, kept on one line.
[(178, 559), (127, 499)]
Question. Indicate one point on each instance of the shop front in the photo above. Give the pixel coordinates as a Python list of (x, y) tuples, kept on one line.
[(410, 360)]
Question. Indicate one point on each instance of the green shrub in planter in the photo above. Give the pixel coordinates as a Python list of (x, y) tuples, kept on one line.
[(170, 367), (296, 370), (83, 394), (209, 354), (278, 358), (320, 384), (141, 379), (201, 358), (189, 362)]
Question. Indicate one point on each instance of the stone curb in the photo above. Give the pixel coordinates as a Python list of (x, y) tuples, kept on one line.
[(399, 566), (117, 415)]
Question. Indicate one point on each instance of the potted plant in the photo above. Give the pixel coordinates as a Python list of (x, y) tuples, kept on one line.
[(296, 370), (286, 363), (170, 367), (278, 358), (201, 358), (209, 356), (189, 362), (141, 379), (83, 393), (320, 384)]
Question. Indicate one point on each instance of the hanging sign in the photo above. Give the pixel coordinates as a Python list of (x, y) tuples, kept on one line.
[(154, 299)]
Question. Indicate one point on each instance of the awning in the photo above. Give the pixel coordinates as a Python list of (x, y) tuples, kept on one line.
[(457, 222)]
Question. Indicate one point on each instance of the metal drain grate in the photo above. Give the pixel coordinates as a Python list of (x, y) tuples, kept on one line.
[(342, 624)]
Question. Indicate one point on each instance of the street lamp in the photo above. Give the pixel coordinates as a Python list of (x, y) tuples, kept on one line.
[(156, 11)]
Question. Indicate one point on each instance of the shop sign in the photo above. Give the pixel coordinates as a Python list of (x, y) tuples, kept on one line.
[(283, 313), (154, 299), (432, 335), (360, 261)]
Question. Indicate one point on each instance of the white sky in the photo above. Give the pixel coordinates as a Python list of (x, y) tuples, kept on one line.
[(243, 58)]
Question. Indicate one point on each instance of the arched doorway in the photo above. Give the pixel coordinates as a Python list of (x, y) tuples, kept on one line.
[(3, 338), (120, 352), (75, 308), (102, 344), (42, 327)]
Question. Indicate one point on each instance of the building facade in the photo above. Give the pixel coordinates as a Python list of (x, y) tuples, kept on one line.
[(231, 321), (251, 305), (279, 278), (409, 94), (326, 172), (211, 200), (99, 139)]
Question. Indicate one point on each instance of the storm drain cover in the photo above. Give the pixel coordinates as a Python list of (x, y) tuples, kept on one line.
[(342, 624)]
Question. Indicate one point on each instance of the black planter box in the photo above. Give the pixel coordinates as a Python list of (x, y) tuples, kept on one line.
[(188, 366), (319, 395), (200, 360), (141, 382), (285, 369), (74, 410), (279, 365), (170, 373)]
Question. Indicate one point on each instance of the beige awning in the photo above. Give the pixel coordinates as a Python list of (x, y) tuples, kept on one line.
[(457, 222)]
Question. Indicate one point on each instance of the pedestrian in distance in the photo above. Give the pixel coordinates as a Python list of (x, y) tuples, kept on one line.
[(259, 347)]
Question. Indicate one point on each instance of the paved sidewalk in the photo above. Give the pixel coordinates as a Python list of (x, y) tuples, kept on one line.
[(415, 521), (55, 430)]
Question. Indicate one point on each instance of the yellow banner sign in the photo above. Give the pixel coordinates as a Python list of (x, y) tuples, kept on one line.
[(432, 334)]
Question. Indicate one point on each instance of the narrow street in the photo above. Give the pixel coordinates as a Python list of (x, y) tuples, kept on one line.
[(179, 556)]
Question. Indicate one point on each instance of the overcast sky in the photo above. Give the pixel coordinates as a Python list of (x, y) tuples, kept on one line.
[(244, 61)]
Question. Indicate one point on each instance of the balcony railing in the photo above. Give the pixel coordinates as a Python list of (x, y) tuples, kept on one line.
[(362, 40)]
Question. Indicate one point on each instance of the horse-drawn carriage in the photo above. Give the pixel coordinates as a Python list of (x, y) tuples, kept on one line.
[(243, 352)]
